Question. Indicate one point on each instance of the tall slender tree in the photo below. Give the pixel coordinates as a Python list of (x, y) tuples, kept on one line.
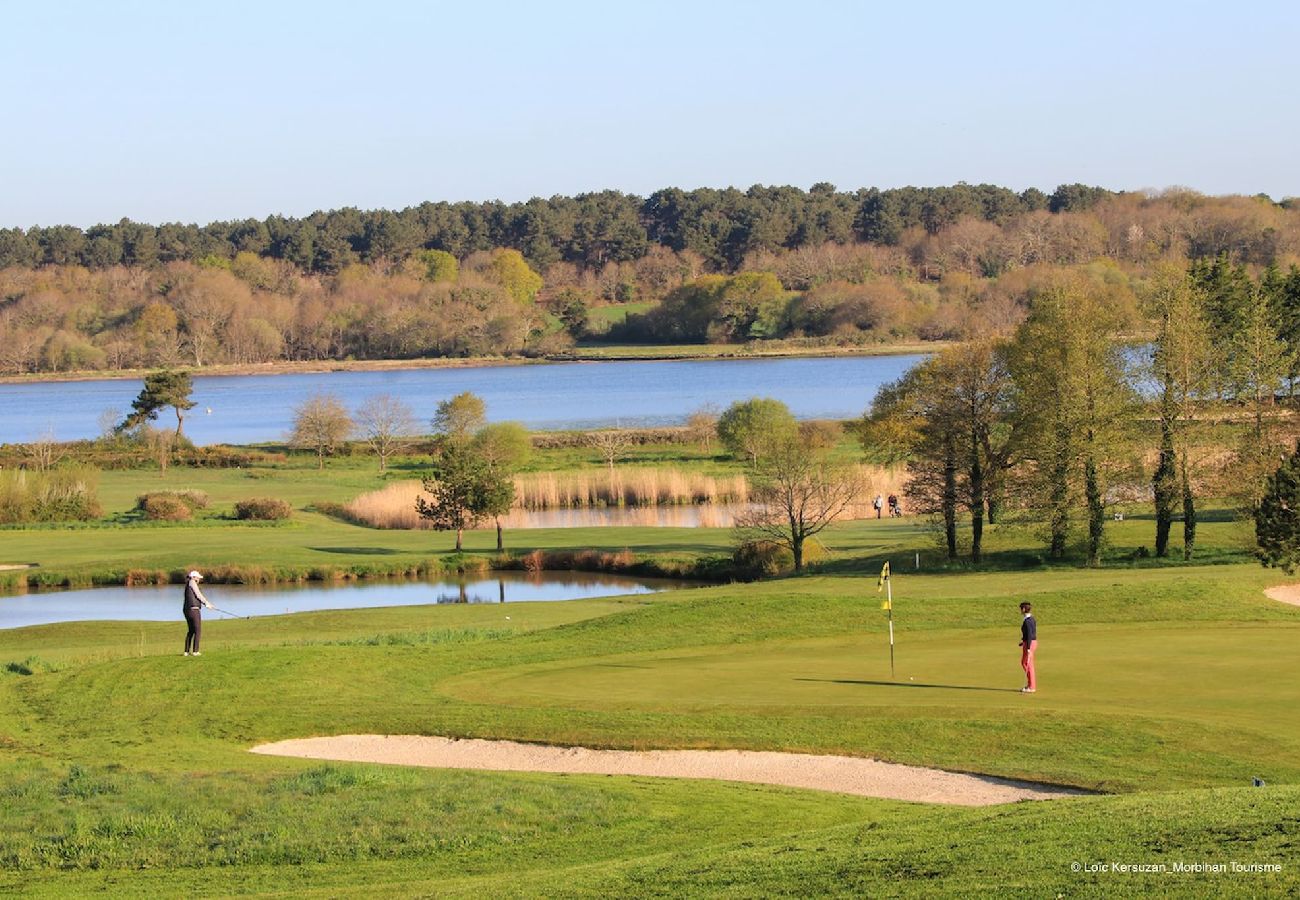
[(1182, 367), (1072, 396), (954, 416)]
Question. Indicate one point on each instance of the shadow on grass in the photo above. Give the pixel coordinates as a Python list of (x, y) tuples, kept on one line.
[(911, 684), (1019, 561), (358, 551)]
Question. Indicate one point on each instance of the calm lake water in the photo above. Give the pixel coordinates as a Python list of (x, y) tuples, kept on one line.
[(163, 604), (246, 409)]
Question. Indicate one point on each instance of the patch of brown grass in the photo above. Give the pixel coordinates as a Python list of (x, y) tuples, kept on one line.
[(715, 497)]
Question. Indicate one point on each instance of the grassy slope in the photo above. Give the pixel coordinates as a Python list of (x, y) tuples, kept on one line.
[(126, 752), (124, 765)]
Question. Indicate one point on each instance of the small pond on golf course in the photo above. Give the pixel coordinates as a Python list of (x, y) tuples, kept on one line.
[(162, 604)]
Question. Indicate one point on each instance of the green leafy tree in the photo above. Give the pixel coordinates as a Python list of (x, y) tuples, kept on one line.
[(437, 265), (1182, 366), (1073, 398), (1258, 359), (751, 305), (513, 273), (456, 489), (1277, 516), (168, 387), (751, 429), (456, 420), (953, 419), (504, 448)]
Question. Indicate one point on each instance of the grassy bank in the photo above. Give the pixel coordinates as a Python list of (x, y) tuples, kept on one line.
[(1164, 685), (125, 767)]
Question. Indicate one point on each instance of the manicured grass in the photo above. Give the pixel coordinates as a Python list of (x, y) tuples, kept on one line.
[(1166, 686), (125, 767)]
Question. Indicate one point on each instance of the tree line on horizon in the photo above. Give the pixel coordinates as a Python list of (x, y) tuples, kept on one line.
[(821, 268), (722, 226)]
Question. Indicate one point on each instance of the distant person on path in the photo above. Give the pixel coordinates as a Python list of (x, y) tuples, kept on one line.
[(878, 504), (193, 609), (1028, 644), (894, 509)]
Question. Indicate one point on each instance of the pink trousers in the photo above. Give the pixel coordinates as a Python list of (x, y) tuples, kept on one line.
[(1027, 663)]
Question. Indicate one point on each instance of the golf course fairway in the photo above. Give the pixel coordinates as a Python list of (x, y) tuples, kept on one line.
[(125, 766)]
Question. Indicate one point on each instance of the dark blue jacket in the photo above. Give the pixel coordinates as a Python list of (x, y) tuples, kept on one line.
[(1028, 630)]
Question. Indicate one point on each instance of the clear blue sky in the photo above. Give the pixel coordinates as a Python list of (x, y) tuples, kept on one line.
[(195, 111)]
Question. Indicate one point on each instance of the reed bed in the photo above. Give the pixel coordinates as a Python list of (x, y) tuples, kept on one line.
[(632, 496), (644, 486), (392, 506)]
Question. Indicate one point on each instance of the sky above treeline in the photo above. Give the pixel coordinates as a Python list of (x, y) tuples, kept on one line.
[(195, 112)]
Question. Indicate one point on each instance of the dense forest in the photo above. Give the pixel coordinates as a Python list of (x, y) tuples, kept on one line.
[(727, 266)]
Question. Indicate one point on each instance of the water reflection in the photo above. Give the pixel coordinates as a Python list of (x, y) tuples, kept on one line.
[(158, 604), (704, 515)]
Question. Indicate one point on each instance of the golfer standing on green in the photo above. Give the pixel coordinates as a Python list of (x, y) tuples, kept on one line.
[(1028, 644), (192, 607)]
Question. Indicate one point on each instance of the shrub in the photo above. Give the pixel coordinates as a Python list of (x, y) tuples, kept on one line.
[(266, 509), (135, 577), (763, 557), (165, 501), (166, 508), (59, 495)]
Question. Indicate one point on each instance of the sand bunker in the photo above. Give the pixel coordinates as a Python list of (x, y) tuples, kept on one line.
[(841, 774), (1286, 593)]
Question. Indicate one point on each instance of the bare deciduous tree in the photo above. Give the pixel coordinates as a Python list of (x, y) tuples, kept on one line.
[(387, 424), (320, 423), (702, 426), (44, 452), (612, 444), (798, 492)]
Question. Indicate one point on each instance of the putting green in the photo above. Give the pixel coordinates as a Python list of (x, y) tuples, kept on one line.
[(1184, 693), (1141, 671)]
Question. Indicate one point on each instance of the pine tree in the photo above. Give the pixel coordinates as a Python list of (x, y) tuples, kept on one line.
[(162, 389), (1277, 517)]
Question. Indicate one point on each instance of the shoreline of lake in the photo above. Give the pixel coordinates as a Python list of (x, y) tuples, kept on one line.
[(161, 603), (555, 396), (592, 354)]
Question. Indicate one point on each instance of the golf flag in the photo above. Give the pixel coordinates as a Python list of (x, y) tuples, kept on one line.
[(887, 582)]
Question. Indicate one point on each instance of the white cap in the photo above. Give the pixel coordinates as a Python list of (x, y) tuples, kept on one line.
[(196, 575)]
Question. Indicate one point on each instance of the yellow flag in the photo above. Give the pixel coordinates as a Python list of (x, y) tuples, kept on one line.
[(884, 576), (885, 604)]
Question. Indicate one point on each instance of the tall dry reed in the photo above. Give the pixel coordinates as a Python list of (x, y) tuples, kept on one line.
[(648, 486), (393, 506)]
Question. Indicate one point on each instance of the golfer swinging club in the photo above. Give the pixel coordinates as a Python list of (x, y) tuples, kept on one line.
[(193, 610)]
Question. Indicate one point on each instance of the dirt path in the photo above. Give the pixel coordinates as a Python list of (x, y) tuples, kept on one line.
[(1286, 593), (841, 774)]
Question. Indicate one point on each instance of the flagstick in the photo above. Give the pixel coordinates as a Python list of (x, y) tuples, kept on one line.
[(889, 587)]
